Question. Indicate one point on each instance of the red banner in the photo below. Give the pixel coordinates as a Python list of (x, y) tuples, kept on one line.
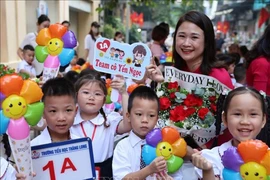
[(264, 15), (223, 26), (137, 18)]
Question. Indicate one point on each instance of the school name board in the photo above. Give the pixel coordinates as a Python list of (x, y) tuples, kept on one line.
[(71, 159)]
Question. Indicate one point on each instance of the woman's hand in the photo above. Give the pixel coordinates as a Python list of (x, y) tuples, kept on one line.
[(153, 72), (119, 83)]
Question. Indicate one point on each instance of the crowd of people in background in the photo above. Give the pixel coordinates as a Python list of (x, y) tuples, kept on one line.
[(196, 48)]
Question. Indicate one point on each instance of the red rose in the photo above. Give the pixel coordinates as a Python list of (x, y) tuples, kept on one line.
[(202, 113), (172, 95), (177, 114), (213, 107), (190, 111), (193, 100), (173, 85), (212, 98), (164, 103)]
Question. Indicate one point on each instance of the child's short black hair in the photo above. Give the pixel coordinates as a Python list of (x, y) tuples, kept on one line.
[(81, 61), (142, 92), (72, 76), (58, 87), (239, 72), (28, 47)]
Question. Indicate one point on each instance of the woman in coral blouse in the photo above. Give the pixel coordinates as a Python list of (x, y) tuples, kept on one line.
[(258, 64)]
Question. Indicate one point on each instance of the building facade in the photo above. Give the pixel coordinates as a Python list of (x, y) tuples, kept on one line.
[(19, 17)]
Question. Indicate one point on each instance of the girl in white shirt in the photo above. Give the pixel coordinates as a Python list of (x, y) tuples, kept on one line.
[(92, 122), (89, 42), (244, 113), (30, 39)]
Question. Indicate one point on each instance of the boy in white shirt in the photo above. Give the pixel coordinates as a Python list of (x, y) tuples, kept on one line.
[(59, 111), (25, 66), (143, 106)]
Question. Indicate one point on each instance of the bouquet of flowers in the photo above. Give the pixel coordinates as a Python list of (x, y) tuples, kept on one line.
[(185, 109)]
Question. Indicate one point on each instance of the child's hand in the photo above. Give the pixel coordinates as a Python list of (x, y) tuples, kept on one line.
[(154, 72), (163, 176), (200, 162), (119, 84), (21, 176), (158, 165)]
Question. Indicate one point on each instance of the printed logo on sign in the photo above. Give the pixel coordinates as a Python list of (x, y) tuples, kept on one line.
[(35, 154)]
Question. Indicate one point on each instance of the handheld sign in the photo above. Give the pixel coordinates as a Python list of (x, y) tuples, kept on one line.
[(119, 58), (71, 159)]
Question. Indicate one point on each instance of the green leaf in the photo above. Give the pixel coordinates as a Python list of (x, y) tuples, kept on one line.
[(180, 95), (179, 100), (179, 124), (199, 91)]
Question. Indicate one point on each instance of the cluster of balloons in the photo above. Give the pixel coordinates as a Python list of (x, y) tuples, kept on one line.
[(167, 143), (21, 105), (165, 57), (249, 161), (55, 47)]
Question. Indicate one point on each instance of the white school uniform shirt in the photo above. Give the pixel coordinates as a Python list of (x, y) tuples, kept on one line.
[(27, 67), (214, 156), (127, 158), (30, 39), (89, 44), (45, 138), (102, 137), (7, 171)]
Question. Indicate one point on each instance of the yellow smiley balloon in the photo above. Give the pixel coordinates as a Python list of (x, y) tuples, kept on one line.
[(14, 107), (164, 149), (55, 46), (253, 171)]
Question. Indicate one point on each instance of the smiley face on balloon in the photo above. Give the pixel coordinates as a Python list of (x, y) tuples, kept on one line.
[(249, 161), (14, 107), (164, 149), (253, 171), (55, 46)]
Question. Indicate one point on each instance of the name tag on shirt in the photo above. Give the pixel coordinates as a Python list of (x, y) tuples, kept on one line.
[(72, 159)]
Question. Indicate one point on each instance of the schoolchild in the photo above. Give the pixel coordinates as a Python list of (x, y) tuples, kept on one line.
[(143, 106), (244, 113), (59, 100), (91, 121), (26, 65)]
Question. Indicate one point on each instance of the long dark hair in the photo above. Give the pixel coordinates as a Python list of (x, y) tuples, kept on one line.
[(223, 104), (6, 146), (43, 18), (202, 21), (260, 48)]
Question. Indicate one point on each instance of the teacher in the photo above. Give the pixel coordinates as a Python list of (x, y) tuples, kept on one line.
[(194, 51)]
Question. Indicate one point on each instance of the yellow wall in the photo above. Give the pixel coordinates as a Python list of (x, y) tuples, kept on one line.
[(19, 17)]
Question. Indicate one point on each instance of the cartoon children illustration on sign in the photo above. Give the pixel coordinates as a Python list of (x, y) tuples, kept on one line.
[(112, 51), (121, 54), (139, 53)]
